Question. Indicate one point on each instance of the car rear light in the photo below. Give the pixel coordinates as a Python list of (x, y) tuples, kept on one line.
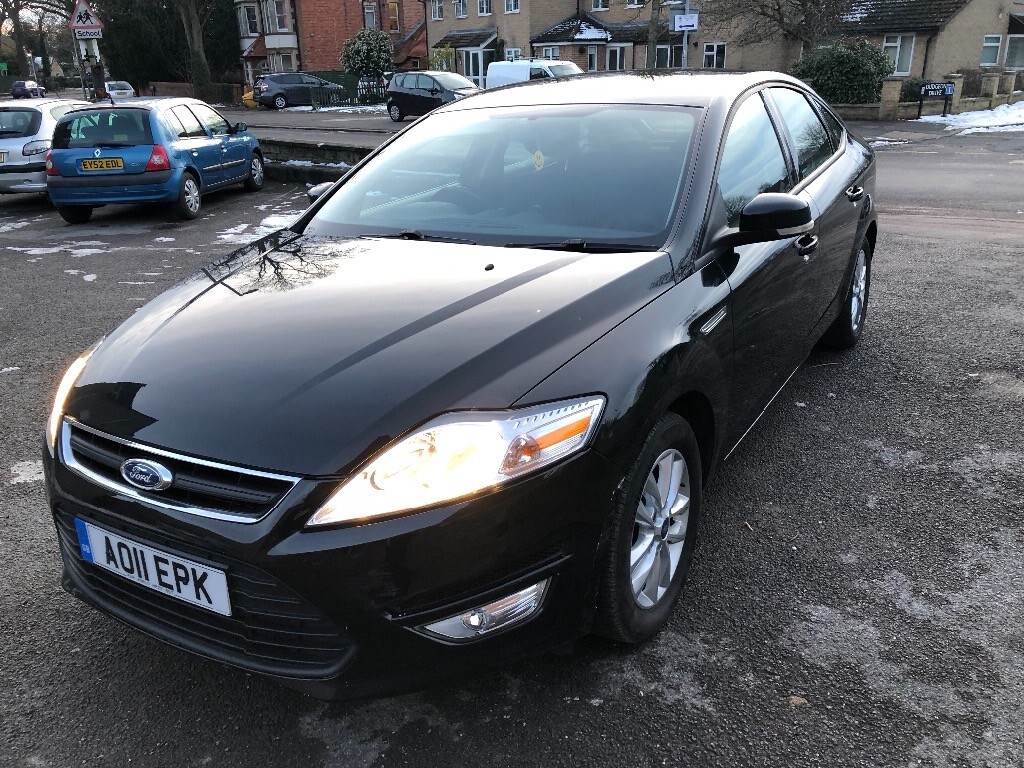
[(158, 160), (51, 167)]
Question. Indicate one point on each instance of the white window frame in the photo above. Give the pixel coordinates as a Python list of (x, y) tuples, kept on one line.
[(549, 52), (620, 52), (397, 17), (461, 11), (370, 16), (248, 23), (1019, 40), (436, 10), (892, 46), (591, 58), (513, 54), (987, 43), (600, 5), (511, 6), (711, 48), (280, 10), (668, 56), (483, 7), (636, 3)]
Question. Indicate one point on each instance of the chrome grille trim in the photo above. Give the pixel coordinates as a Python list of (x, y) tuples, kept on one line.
[(67, 457)]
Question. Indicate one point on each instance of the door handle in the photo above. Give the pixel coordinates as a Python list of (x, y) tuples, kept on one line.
[(853, 194), (195, 153), (807, 245)]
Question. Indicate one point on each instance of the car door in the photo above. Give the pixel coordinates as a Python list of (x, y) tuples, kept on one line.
[(234, 162), (205, 149), (432, 94), (827, 173), (768, 280), (418, 95)]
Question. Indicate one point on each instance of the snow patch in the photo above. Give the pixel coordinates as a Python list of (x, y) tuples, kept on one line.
[(89, 278), (163, 239), (10, 369), (13, 226), (1007, 117), (26, 472), (369, 108)]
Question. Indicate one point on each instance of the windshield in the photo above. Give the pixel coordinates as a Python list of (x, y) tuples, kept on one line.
[(453, 82), (103, 128), (19, 123), (521, 175), (560, 70)]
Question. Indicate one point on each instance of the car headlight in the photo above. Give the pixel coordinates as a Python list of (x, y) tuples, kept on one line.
[(63, 389), (35, 147), (459, 455)]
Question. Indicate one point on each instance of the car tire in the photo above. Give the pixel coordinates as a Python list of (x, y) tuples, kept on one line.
[(395, 112), (190, 198), (280, 102), (75, 214), (847, 328), (254, 181), (653, 527)]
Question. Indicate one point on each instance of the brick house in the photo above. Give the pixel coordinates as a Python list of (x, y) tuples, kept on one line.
[(267, 36), (932, 38), (327, 24)]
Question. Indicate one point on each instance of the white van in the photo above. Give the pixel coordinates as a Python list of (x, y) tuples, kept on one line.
[(521, 70)]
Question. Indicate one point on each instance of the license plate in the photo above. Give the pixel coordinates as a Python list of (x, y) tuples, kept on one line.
[(160, 571), (103, 164)]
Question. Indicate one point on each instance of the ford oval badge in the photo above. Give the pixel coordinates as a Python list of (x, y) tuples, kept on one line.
[(146, 474)]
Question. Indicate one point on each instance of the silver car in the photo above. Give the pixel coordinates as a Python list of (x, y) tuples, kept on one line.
[(118, 90), (26, 129)]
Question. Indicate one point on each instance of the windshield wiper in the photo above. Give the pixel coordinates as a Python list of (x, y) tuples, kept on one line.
[(585, 246), (415, 234)]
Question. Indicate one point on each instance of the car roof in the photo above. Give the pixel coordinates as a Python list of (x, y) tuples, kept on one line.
[(158, 102), (41, 102), (674, 87)]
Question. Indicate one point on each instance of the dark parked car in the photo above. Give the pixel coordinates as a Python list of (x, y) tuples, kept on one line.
[(417, 93), (294, 89), (27, 89), (464, 408)]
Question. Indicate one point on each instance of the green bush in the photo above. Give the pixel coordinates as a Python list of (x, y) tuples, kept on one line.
[(911, 89), (846, 72), (368, 54)]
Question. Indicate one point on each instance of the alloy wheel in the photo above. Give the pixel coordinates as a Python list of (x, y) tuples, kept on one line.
[(256, 171), (659, 528), (191, 195), (858, 291)]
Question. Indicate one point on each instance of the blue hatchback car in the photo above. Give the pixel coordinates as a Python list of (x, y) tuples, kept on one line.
[(160, 151)]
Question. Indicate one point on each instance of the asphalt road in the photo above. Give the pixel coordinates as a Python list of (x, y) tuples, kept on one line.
[(857, 597)]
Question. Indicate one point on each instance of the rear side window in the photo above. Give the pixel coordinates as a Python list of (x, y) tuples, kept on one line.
[(103, 128), (813, 143), (399, 81), (835, 128), (752, 160), (190, 125), (19, 123), (217, 125)]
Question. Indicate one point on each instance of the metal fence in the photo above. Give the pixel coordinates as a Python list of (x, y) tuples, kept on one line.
[(352, 90)]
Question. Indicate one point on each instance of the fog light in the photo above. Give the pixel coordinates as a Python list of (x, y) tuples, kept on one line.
[(483, 620)]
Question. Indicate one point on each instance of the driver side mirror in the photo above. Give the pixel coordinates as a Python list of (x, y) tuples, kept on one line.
[(316, 192), (239, 127), (769, 216)]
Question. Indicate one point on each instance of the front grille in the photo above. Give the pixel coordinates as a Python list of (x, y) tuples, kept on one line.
[(199, 487), (271, 630)]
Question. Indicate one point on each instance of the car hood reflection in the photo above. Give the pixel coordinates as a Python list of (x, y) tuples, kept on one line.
[(304, 355)]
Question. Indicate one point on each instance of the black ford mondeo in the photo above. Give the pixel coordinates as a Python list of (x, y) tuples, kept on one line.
[(462, 410)]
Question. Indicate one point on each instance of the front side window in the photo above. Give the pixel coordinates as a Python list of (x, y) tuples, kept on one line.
[(460, 9), (369, 16), (990, 50), (210, 119), (436, 10), (566, 171), (752, 160), (813, 143), (900, 50), (511, 6), (483, 7), (714, 55)]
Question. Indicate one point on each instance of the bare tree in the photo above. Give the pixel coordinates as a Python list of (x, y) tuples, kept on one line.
[(806, 21), (194, 15)]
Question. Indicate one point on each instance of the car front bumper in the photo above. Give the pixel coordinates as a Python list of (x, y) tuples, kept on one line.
[(348, 601)]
